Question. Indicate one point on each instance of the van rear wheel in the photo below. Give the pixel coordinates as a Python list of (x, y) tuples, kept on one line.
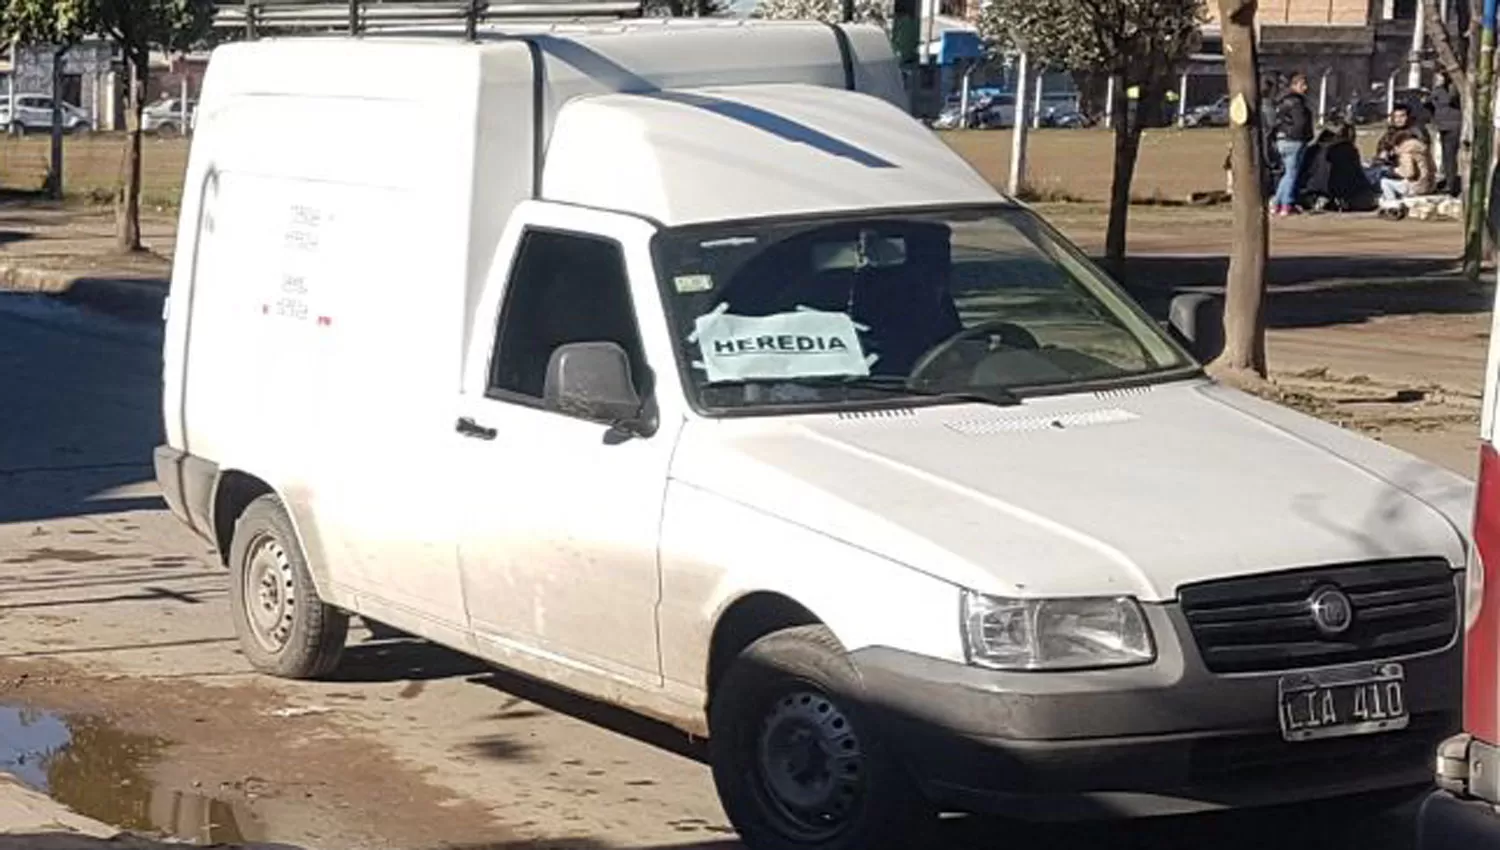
[(283, 627), (798, 762)]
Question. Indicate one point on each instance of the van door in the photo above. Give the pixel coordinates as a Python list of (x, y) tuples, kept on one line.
[(561, 515)]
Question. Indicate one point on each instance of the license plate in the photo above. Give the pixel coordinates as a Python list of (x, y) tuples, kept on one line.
[(1358, 700)]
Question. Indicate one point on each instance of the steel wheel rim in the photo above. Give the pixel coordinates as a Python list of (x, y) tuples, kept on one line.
[(269, 592), (810, 764)]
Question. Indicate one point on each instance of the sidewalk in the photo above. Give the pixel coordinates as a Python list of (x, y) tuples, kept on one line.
[(70, 253)]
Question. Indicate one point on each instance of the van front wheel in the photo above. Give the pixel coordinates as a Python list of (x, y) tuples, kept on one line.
[(284, 629), (798, 762)]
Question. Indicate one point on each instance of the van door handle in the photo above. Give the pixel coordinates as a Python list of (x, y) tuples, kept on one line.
[(469, 428)]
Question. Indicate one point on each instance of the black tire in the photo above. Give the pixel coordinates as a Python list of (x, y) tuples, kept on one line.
[(802, 676), (284, 629)]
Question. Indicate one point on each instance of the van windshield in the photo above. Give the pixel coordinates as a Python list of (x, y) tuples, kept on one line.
[(959, 304)]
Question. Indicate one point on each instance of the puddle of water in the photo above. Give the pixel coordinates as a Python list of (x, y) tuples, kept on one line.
[(103, 773)]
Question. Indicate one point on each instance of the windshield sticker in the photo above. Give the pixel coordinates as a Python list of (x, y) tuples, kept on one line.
[(801, 344), (690, 283)]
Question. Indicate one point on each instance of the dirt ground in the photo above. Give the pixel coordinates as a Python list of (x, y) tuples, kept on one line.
[(1065, 165)]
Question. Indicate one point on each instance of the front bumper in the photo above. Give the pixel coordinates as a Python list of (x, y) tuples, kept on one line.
[(1166, 738)]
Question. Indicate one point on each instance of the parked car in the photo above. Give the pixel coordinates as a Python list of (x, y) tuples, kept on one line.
[(1065, 116), (165, 115), (1214, 114), (986, 112), (34, 115), (752, 408)]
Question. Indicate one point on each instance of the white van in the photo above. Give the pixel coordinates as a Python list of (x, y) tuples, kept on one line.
[(677, 366)]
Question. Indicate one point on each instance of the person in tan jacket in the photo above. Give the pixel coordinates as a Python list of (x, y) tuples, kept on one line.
[(1414, 172)]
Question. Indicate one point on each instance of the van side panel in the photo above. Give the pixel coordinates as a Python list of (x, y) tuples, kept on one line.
[(326, 320)]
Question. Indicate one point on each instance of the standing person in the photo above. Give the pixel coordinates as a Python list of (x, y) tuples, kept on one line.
[(1448, 119), (1294, 129)]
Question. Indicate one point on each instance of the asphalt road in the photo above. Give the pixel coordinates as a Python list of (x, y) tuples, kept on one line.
[(113, 615)]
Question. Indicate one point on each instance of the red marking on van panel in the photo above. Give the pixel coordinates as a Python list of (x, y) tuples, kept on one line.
[(324, 321)]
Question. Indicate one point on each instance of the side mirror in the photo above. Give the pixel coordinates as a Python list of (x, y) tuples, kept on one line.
[(1196, 319), (592, 380)]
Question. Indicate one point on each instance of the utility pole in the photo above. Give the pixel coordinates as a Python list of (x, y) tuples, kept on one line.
[(1323, 96), (1109, 104), (1021, 129), (1418, 45), (10, 83), (1182, 91), (1476, 207), (1036, 102)]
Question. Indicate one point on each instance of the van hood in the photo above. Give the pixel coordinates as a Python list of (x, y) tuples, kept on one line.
[(1137, 493)]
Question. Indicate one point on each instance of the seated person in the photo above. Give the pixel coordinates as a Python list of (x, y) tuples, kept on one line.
[(1413, 173), (1332, 175), (1398, 128)]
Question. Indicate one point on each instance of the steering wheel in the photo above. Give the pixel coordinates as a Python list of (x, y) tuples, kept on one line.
[(1008, 334)]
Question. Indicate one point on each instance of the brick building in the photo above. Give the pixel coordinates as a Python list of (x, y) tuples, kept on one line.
[(1358, 44), (94, 77), (87, 76)]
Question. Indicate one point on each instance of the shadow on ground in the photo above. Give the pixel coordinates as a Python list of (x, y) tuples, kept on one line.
[(1305, 292), (80, 419)]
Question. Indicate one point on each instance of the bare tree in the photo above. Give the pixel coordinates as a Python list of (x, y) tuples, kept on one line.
[(1143, 44)]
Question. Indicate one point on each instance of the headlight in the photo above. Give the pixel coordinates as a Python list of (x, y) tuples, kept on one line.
[(1055, 634)]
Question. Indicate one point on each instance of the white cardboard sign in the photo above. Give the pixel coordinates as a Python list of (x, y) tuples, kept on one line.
[(802, 344)]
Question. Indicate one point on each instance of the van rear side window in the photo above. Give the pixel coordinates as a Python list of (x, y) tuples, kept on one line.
[(564, 288)]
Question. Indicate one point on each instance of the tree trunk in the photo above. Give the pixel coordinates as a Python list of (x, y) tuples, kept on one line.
[(1447, 48), (1476, 190), (1244, 352), (1127, 129), (1471, 23), (55, 169), (128, 205)]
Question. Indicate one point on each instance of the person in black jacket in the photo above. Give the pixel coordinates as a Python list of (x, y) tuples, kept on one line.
[(1333, 176), (1448, 120), (1294, 129)]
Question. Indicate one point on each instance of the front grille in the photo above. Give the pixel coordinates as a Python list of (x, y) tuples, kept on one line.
[(1266, 622)]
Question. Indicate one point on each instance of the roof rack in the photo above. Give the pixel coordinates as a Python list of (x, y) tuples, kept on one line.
[(357, 17)]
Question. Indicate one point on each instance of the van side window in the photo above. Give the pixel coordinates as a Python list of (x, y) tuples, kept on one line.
[(564, 288)]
